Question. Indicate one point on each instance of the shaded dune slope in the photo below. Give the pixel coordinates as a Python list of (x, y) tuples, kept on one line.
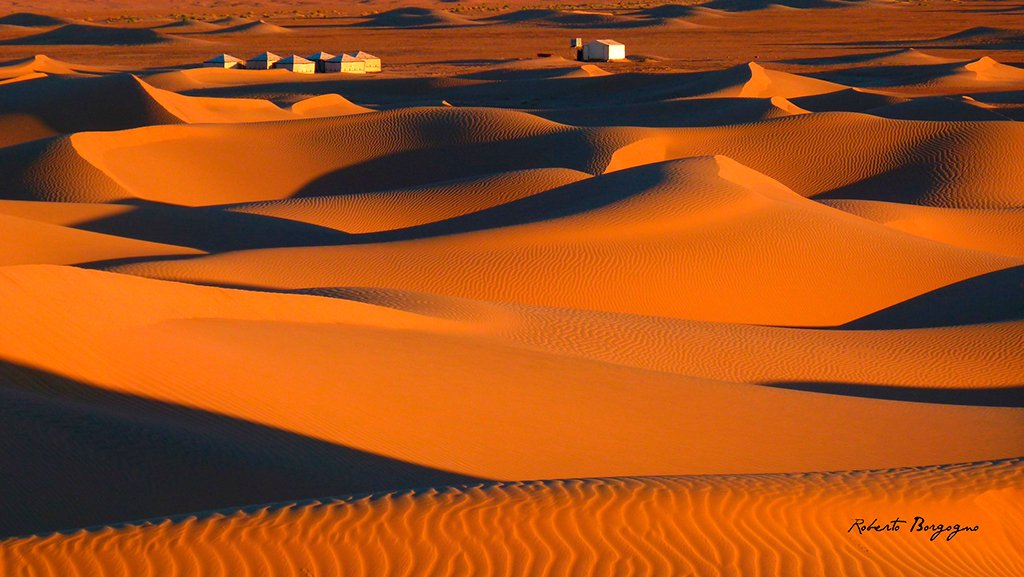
[(90, 34), (415, 17), (32, 20), (86, 432)]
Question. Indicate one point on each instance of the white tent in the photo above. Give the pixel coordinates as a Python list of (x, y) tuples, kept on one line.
[(371, 63), (320, 60), (346, 63), (603, 50), (224, 61), (264, 61), (296, 64)]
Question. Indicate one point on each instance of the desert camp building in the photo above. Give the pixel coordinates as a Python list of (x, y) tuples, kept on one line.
[(320, 60), (296, 63), (346, 63), (371, 63), (264, 61), (224, 61), (603, 51)]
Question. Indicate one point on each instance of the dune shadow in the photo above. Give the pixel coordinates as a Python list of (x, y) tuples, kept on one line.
[(988, 298), (212, 229), (75, 455), (440, 163), (1012, 397)]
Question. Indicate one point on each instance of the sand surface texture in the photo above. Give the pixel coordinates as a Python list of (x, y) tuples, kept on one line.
[(492, 313)]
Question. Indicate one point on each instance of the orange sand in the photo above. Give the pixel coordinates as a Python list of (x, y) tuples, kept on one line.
[(493, 313)]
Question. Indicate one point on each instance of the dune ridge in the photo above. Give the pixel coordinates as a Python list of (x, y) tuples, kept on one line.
[(706, 525)]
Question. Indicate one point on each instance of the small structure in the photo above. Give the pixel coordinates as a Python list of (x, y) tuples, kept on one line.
[(264, 61), (371, 63), (224, 61), (296, 64), (346, 63), (320, 60), (603, 51)]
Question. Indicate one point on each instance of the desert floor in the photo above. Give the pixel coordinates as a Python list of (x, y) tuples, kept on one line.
[(711, 310)]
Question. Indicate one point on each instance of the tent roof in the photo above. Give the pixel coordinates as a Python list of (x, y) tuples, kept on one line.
[(345, 58), (294, 59), (320, 56), (222, 58), (606, 42), (266, 56), (362, 54)]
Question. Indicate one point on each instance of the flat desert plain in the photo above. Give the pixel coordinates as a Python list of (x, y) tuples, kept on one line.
[(748, 302)]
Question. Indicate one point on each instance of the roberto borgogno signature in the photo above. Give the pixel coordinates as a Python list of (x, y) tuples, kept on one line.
[(918, 525)]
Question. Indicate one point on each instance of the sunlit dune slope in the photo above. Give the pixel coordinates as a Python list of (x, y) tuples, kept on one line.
[(26, 241), (997, 231), (758, 525), (317, 356)]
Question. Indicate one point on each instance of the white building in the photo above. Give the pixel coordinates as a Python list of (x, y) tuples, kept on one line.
[(264, 61), (296, 64), (346, 63), (603, 51), (224, 61), (320, 60), (371, 63)]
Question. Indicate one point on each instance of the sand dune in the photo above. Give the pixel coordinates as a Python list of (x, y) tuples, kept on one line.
[(43, 64), (32, 20), (327, 105), (228, 21), (490, 314), (677, 11), (952, 77), (584, 225), (847, 100), (86, 34), (188, 26), (985, 37), (753, 80), (997, 231), (26, 241), (537, 68), (900, 57), (939, 108), (587, 526), (414, 17), (255, 28), (573, 19), (678, 113), (753, 5), (287, 339), (398, 209), (60, 105)]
